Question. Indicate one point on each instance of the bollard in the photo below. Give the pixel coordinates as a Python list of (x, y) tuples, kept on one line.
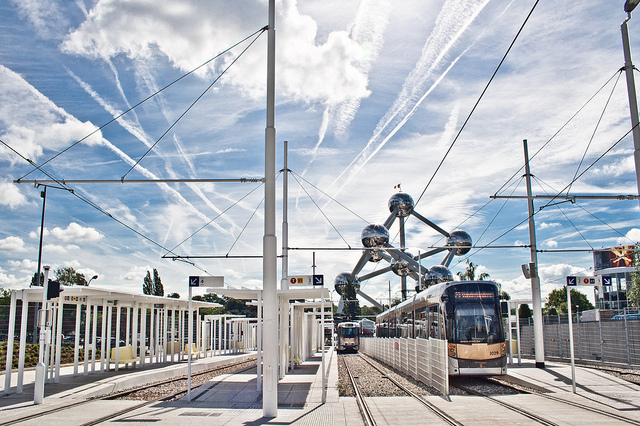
[(38, 391)]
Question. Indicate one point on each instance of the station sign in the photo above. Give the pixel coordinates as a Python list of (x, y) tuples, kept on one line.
[(598, 280), (314, 280), (206, 281), (81, 299)]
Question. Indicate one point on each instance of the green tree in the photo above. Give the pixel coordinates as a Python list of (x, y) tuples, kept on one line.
[(633, 290), (147, 286), (525, 311), (504, 295), (557, 302), (369, 311), (351, 303), (469, 273), (158, 288), (69, 276), (34, 279), (5, 297), (173, 295)]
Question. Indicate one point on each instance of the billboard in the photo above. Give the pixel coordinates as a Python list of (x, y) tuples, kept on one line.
[(615, 257)]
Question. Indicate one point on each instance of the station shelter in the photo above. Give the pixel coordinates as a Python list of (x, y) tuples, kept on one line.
[(112, 328)]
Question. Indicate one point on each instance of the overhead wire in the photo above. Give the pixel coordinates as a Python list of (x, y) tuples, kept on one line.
[(504, 57), (92, 204), (144, 100), (192, 105)]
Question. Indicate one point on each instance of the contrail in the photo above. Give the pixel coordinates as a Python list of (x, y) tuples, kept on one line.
[(453, 20)]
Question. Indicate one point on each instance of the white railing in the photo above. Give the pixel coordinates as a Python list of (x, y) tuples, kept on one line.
[(424, 360)]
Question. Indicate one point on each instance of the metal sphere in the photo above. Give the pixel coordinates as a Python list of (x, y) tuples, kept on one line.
[(343, 279), (400, 266), (438, 274), (403, 202), (375, 236), (460, 238), (375, 255)]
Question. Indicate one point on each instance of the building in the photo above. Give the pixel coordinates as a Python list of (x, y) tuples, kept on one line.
[(618, 263)]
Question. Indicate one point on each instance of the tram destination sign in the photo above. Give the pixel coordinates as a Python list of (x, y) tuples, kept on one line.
[(206, 281), (599, 280)]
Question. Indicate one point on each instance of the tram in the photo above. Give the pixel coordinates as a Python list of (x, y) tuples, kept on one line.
[(348, 336), (465, 313)]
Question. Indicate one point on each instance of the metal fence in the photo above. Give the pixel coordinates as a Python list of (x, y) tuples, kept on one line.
[(615, 340), (423, 359)]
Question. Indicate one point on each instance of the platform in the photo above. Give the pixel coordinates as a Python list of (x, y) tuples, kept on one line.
[(233, 399)]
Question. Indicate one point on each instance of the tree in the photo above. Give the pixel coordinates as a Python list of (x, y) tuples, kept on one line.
[(34, 279), (174, 295), (158, 288), (147, 286), (5, 297), (504, 295), (557, 302), (68, 276), (470, 273), (369, 311), (351, 303), (633, 290), (525, 311)]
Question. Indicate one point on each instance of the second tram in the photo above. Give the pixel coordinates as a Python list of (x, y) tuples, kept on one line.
[(465, 313), (348, 336)]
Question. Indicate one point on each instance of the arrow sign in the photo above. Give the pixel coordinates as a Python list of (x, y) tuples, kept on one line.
[(206, 281), (606, 280), (572, 281), (318, 280), (584, 280)]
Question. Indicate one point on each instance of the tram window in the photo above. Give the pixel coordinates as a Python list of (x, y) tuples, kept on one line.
[(434, 322)]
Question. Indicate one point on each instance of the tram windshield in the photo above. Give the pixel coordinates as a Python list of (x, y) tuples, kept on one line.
[(349, 332), (476, 318)]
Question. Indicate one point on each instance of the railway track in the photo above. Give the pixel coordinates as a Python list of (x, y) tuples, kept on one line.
[(600, 416), (165, 390), (368, 414)]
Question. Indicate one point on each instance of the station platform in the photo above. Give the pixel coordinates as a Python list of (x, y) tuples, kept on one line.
[(233, 399)]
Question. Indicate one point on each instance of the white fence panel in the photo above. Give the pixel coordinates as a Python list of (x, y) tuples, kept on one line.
[(423, 359)]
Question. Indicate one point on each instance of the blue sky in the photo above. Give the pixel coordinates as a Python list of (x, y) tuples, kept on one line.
[(370, 94)]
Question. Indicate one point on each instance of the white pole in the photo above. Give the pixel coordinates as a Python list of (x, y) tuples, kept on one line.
[(324, 379), (509, 328), (633, 102), (56, 378), (270, 242), (259, 350), (189, 348), (573, 361), (23, 339), (10, 332), (87, 322), (76, 348), (538, 331)]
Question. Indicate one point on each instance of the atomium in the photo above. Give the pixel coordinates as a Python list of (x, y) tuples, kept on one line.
[(400, 267), (438, 274), (375, 236), (403, 202), (460, 238), (342, 280), (375, 255)]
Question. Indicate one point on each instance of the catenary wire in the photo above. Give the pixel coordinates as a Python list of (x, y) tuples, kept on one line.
[(143, 101), (94, 205), (192, 105), (504, 57)]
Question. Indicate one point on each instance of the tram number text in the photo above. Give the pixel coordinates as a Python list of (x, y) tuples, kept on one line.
[(493, 352)]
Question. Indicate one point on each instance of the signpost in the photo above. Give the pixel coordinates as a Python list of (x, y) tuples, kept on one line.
[(573, 281), (197, 281), (307, 280)]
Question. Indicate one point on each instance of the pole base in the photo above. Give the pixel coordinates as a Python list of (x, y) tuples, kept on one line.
[(539, 364)]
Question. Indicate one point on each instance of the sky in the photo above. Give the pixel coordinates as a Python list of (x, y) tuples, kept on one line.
[(370, 94)]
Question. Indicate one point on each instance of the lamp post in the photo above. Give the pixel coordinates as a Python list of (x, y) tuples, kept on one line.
[(631, 87), (95, 277)]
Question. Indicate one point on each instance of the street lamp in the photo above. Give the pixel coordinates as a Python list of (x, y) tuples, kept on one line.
[(629, 5), (95, 277)]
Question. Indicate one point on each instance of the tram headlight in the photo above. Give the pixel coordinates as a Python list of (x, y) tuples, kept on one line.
[(503, 349), (452, 350)]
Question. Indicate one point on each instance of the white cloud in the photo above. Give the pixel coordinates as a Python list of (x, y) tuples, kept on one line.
[(632, 235), (44, 15), (76, 233), (12, 244), (59, 249), (546, 225), (25, 265), (137, 273), (11, 196), (551, 243)]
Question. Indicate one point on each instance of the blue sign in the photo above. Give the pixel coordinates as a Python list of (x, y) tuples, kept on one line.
[(318, 280), (194, 281), (572, 281), (606, 280)]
